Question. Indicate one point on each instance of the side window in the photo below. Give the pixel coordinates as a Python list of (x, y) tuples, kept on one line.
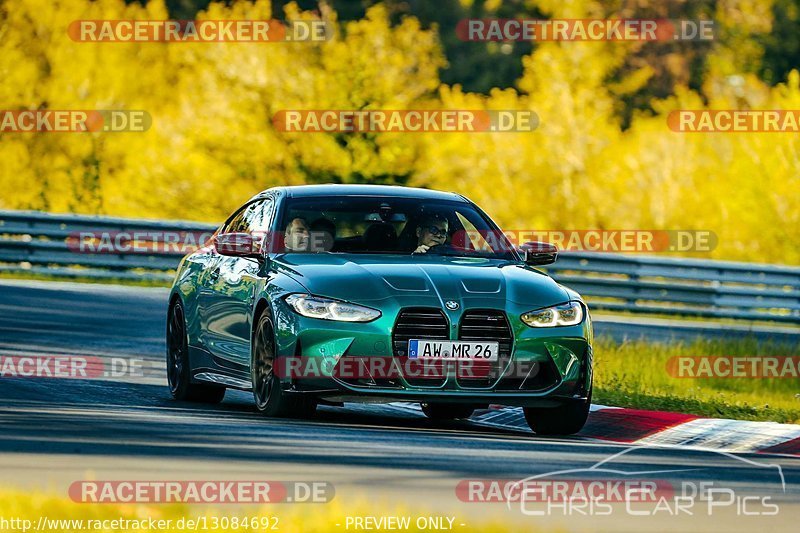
[(258, 216), (237, 223), (254, 217), (257, 221)]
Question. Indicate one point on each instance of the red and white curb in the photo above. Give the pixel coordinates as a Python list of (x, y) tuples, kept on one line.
[(663, 429)]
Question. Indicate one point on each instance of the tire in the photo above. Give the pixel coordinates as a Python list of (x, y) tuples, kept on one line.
[(444, 411), (270, 398), (566, 419), (178, 368)]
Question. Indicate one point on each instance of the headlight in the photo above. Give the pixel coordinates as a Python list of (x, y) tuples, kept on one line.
[(568, 314), (328, 309)]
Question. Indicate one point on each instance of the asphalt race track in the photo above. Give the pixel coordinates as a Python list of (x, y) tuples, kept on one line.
[(58, 431)]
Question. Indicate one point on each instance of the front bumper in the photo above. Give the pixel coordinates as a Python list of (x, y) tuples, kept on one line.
[(546, 367)]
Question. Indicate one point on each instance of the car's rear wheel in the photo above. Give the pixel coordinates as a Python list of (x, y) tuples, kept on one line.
[(567, 419), (270, 397), (178, 368), (444, 411)]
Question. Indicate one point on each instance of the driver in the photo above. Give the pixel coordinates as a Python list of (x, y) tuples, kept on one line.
[(296, 237), (432, 231)]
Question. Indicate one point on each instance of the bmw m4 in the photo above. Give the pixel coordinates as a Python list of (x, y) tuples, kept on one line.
[(325, 294)]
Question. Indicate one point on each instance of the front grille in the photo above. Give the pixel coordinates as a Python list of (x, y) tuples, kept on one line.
[(485, 325), (420, 323)]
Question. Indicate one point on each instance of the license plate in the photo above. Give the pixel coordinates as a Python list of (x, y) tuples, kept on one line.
[(452, 350)]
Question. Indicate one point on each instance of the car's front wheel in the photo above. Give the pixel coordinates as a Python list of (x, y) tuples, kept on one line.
[(567, 419), (178, 368), (270, 397), (444, 411)]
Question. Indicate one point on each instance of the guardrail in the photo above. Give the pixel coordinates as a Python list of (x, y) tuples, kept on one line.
[(42, 243), (39, 243)]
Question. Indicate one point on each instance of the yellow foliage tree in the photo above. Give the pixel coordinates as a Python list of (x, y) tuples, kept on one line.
[(212, 143)]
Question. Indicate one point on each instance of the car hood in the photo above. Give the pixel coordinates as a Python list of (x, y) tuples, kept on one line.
[(422, 280)]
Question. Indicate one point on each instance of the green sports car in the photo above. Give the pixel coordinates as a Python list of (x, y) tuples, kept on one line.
[(324, 294)]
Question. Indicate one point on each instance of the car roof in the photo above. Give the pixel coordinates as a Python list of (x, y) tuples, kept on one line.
[(307, 191)]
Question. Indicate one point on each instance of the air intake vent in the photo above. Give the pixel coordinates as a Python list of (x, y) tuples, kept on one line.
[(420, 323), (485, 325)]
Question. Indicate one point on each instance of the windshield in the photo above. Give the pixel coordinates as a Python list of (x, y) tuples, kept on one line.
[(390, 225)]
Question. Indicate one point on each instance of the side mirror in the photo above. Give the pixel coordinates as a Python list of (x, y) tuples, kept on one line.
[(539, 253), (237, 245)]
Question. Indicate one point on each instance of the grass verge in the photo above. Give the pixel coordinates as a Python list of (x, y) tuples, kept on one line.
[(634, 374)]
